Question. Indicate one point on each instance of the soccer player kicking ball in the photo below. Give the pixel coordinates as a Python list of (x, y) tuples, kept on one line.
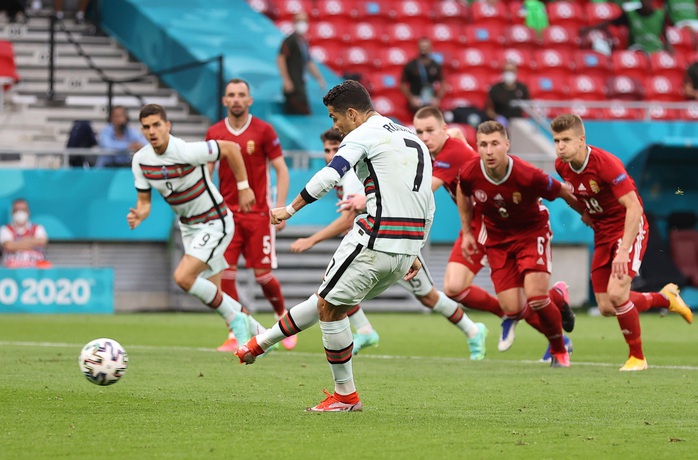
[(383, 245), (507, 191), (421, 286), (177, 169), (614, 209)]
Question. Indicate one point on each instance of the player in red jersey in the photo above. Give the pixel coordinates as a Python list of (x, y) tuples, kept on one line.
[(507, 192), (614, 210), (449, 152), (254, 236)]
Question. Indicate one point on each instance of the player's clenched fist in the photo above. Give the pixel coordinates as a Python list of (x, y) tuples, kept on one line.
[(279, 214)]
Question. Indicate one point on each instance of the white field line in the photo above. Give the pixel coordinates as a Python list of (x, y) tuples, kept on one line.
[(78, 346)]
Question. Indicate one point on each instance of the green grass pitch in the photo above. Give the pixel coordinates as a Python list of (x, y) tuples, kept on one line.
[(423, 398)]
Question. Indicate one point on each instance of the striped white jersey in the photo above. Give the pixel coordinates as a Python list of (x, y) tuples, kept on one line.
[(182, 178), (395, 169), (349, 185)]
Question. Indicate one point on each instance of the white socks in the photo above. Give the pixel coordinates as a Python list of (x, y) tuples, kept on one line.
[(338, 342), (297, 319), (452, 311)]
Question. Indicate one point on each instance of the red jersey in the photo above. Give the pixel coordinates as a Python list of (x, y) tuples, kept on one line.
[(510, 207), (599, 184), (259, 144), (449, 161)]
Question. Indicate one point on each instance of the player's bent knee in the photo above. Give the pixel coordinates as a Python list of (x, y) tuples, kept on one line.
[(183, 280), (607, 309)]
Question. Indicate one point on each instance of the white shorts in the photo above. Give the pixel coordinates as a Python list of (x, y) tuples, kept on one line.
[(357, 273), (420, 285), (208, 242)]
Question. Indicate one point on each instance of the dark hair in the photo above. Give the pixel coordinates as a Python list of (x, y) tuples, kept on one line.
[(567, 121), (19, 200), (491, 127), (331, 135), (239, 80), (349, 94), (116, 107), (430, 111), (153, 109)]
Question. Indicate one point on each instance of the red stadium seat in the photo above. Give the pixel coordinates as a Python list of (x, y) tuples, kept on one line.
[(467, 86), (591, 63), (520, 36), (357, 59), (689, 113), (410, 11), (329, 10), (522, 58), (474, 59), (600, 12), (661, 88), (445, 37), (285, 26), (553, 63), (559, 37), (325, 31), (364, 34), (683, 40), (488, 38), (468, 131), (587, 88), (402, 32), (289, 8), (669, 65), (549, 88), (624, 88), (567, 14), (580, 108), (393, 106), (659, 112), (386, 82), (618, 111), (517, 12), (630, 63), (330, 54), (486, 14), (393, 59), (374, 11), (453, 13)]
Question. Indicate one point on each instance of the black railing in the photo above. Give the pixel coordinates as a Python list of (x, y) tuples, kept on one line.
[(55, 22)]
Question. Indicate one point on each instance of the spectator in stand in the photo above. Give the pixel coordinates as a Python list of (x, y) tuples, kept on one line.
[(536, 15), (293, 60), (647, 27), (118, 135), (501, 94), (23, 242), (79, 14), (691, 82), (422, 79), (683, 13)]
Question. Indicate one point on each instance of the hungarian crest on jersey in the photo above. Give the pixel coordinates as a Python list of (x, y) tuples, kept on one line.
[(250, 147)]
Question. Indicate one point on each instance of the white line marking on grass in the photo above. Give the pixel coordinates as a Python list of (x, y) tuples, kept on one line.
[(363, 356)]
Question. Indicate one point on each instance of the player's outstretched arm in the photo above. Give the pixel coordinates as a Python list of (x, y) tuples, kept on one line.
[(230, 151), (141, 212)]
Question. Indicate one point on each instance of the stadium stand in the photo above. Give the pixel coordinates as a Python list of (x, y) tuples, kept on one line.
[(683, 240)]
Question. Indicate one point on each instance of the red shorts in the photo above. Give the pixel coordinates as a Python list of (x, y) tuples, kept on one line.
[(479, 258), (511, 261), (255, 239), (601, 263)]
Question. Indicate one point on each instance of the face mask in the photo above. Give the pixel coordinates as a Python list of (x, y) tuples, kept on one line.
[(301, 27), (509, 77), (20, 217)]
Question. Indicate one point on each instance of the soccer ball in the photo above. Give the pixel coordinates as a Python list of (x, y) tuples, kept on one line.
[(103, 361)]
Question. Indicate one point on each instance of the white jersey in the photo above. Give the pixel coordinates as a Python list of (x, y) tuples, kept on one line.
[(182, 178), (395, 169), (349, 185)]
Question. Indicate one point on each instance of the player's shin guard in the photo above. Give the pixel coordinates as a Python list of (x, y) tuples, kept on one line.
[(338, 342), (478, 299), (359, 321), (550, 320), (297, 319), (629, 322), (272, 291), (452, 311)]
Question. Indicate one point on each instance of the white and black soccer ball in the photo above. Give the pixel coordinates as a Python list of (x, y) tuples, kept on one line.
[(103, 361)]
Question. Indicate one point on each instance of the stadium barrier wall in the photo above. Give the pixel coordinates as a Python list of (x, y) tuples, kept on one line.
[(57, 290)]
